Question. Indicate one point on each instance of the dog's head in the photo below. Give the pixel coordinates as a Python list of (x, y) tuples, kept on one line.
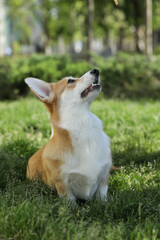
[(68, 91)]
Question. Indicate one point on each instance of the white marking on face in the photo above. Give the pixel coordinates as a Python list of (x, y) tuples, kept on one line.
[(73, 92)]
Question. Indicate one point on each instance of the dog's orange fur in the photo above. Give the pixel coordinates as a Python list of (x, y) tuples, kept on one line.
[(45, 164)]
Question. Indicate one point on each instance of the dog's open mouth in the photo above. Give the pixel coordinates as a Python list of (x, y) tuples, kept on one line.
[(91, 88)]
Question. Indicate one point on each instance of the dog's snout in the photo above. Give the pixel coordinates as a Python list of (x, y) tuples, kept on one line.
[(95, 72)]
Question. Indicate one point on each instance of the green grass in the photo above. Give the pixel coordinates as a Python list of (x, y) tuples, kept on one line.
[(30, 210)]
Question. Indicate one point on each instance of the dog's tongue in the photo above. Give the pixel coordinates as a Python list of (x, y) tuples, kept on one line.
[(88, 89)]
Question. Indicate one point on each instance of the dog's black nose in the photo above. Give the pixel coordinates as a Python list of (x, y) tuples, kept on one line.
[(95, 71)]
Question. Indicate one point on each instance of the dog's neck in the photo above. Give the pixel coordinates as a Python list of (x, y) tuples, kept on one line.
[(73, 118)]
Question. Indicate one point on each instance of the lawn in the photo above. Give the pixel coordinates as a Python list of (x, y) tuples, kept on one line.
[(30, 210)]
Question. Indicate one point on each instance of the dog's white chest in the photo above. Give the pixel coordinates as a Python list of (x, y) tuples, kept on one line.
[(90, 161)]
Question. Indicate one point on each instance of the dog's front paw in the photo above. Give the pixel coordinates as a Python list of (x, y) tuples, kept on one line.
[(101, 197), (71, 198)]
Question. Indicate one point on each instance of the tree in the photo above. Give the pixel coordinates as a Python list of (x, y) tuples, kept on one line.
[(149, 48), (110, 25), (21, 19), (135, 16), (90, 27)]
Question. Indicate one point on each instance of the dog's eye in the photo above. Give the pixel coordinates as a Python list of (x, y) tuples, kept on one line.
[(71, 80)]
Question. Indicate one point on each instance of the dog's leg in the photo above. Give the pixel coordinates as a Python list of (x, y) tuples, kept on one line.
[(71, 196), (103, 189)]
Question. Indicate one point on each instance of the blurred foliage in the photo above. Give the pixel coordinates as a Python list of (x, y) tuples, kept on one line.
[(124, 76), (130, 76), (22, 19), (157, 50), (68, 19), (56, 18), (156, 14)]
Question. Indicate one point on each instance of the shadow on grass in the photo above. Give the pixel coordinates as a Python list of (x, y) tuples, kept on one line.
[(122, 205), (135, 155), (13, 160), (14, 157), (125, 204)]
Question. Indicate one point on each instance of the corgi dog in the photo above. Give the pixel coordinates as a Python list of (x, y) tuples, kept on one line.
[(77, 159)]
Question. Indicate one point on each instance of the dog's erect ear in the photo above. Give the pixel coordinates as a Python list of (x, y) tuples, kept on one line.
[(41, 89)]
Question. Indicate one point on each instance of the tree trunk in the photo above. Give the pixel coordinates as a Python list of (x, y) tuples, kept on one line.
[(90, 27), (136, 25), (149, 48)]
